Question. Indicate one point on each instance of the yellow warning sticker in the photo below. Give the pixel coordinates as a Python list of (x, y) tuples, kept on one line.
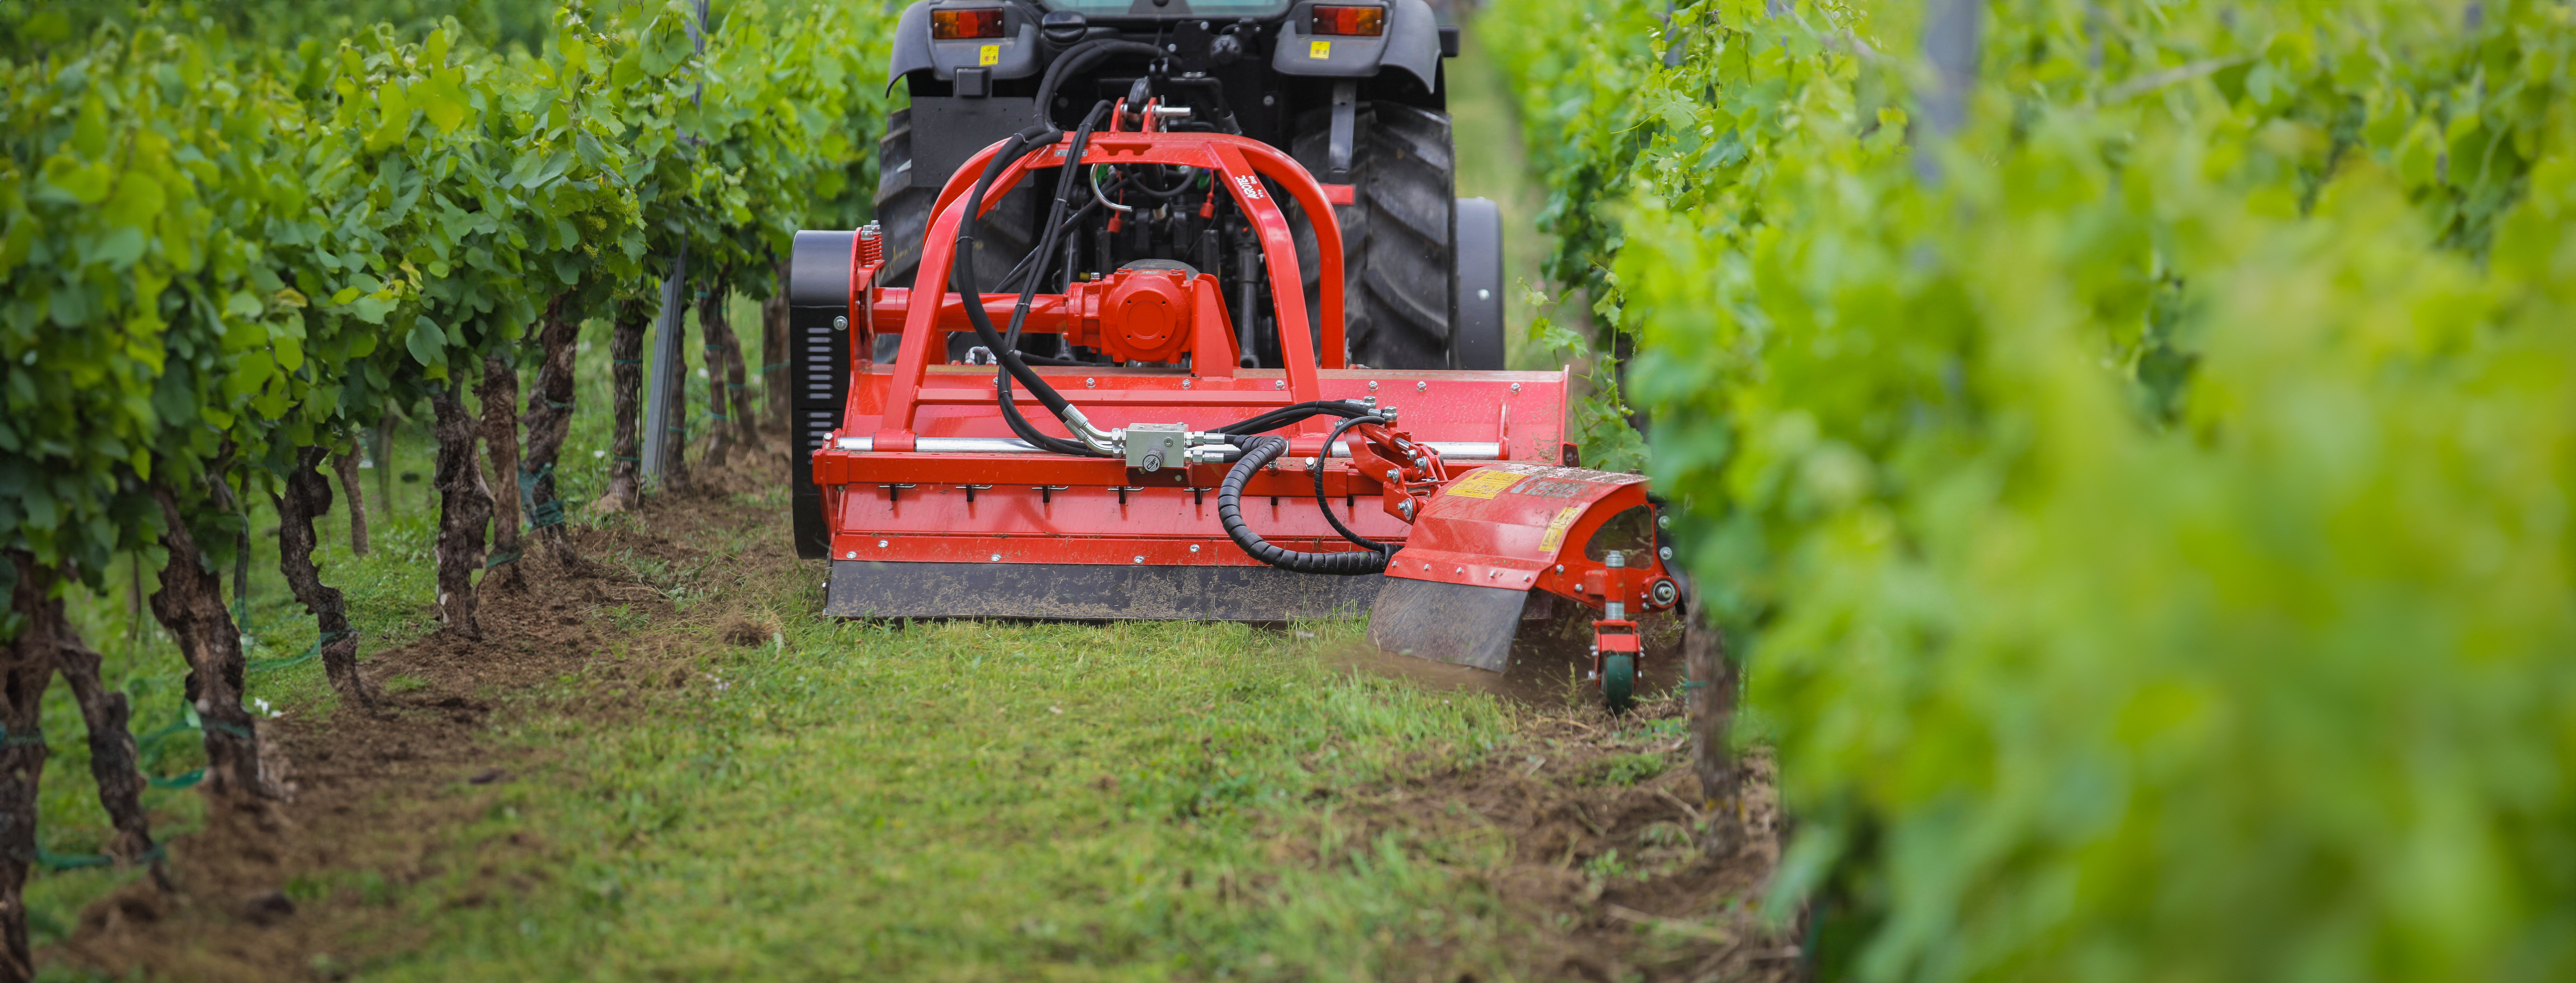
[(1319, 50), (1485, 483), (991, 55), (1556, 527)]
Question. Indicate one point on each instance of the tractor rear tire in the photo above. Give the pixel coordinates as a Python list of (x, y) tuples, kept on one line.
[(1398, 234), (903, 203)]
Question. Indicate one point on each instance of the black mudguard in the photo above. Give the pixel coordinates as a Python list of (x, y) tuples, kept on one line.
[(818, 370), (915, 51), (1411, 44)]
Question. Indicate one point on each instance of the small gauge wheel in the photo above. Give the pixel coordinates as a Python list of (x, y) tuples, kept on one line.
[(1618, 679)]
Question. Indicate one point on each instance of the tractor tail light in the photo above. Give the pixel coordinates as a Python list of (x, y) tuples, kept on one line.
[(1350, 21), (961, 25)]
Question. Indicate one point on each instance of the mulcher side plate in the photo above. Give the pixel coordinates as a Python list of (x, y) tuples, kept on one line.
[(1084, 592), (1461, 624)]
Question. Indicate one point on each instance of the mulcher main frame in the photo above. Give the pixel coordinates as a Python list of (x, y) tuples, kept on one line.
[(931, 507)]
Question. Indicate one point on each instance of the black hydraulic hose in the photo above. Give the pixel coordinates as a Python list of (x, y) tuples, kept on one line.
[(1044, 254), (1137, 181), (1080, 58), (1327, 506), (1055, 220), (1030, 269), (1292, 414), (1258, 452), (961, 277)]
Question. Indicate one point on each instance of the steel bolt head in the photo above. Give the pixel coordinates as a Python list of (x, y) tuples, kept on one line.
[(1279, 384), (1140, 558), (1516, 387), (997, 557), (852, 555), (1663, 522), (1421, 387), (881, 544), (1666, 553), (1194, 547), (1089, 383), (840, 324), (1372, 385)]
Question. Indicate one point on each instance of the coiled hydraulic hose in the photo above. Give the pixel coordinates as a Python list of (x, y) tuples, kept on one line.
[(1327, 506), (1258, 452)]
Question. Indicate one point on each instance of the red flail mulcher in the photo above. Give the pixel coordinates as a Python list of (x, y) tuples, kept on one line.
[(1112, 449)]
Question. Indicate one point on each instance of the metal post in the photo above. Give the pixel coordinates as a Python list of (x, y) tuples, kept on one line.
[(667, 392), (1950, 29)]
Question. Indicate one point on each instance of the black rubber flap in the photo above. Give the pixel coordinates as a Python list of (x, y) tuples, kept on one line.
[(1461, 624), (1072, 592)]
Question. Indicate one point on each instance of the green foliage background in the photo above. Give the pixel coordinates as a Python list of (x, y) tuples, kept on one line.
[(217, 248), (2145, 510)]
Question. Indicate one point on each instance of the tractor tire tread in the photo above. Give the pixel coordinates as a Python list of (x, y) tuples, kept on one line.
[(903, 201), (1397, 235)]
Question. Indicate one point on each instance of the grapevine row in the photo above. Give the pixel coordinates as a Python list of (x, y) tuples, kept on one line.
[(221, 262), (2131, 444)]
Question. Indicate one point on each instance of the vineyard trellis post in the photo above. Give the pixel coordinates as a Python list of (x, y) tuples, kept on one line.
[(1950, 29), (666, 402)]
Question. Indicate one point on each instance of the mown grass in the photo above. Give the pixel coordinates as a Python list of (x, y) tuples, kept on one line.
[(979, 801)]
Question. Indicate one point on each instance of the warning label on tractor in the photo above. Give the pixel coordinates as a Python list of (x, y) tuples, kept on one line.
[(1543, 488), (991, 55), (1485, 483), (1319, 50), (1556, 527)]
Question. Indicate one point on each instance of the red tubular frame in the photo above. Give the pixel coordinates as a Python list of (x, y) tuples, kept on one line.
[(1241, 163)]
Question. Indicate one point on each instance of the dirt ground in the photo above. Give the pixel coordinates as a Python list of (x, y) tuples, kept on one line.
[(379, 800)]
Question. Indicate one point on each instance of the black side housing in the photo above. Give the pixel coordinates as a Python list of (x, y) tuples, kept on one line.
[(818, 370)]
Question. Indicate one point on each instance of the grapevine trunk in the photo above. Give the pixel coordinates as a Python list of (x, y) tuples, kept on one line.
[(1710, 700), (724, 375), (113, 761), (500, 396), (346, 464), (549, 419), (626, 357), (464, 505), (26, 666), (308, 497), (190, 604)]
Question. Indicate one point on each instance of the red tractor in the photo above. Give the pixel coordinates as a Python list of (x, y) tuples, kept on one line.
[(1185, 458)]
